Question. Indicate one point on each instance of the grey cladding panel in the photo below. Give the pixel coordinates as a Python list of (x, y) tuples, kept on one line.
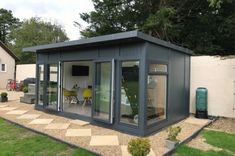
[(131, 51), (88, 54), (176, 104), (42, 57), (54, 57), (187, 82), (108, 52), (155, 52)]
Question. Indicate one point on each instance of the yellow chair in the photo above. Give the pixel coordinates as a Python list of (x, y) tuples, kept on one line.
[(70, 96), (87, 95)]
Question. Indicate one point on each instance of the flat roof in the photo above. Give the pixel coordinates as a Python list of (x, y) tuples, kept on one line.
[(111, 38)]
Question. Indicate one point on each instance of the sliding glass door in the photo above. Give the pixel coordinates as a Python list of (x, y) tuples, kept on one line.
[(52, 89), (104, 91)]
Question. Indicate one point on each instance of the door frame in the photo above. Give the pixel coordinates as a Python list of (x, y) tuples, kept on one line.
[(112, 91), (58, 90)]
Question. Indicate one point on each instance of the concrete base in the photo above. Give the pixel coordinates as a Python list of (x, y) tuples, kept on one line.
[(28, 98)]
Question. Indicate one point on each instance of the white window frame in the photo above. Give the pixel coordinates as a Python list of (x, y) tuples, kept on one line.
[(5, 67)]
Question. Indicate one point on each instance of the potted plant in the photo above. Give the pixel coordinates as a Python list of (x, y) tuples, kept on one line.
[(25, 89), (172, 140), (139, 147), (4, 97)]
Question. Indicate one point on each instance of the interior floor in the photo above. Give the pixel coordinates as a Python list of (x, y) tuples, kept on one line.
[(77, 87), (78, 109)]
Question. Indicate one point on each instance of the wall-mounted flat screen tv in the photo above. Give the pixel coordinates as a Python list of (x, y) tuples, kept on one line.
[(78, 70)]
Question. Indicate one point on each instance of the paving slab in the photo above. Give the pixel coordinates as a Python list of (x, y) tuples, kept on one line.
[(195, 121), (104, 140), (126, 153), (17, 112), (41, 121), (58, 126), (28, 116), (79, 122), (7, 108), (1, 106), (78, 132)]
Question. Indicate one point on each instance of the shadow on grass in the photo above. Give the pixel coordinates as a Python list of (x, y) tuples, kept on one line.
[(17, 141)]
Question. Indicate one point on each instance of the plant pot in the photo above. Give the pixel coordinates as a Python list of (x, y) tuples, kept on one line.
[(171, 144), (4, 99)]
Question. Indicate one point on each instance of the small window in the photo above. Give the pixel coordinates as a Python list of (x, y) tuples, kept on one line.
[(3, 68), (157, 68)]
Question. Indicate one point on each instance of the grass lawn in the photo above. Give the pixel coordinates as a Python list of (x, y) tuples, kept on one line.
[(17, 141), (218, 139)]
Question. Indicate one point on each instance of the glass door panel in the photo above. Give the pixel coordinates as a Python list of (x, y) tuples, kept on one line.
[(103, 104), (52, 87), (41, 84)]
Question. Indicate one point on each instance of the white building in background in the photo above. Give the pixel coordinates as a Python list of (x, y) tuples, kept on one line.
[(24, 71), (7, 65)]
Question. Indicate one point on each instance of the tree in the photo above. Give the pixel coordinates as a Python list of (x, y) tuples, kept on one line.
[(35, 32), (205, 26), (7, 23)]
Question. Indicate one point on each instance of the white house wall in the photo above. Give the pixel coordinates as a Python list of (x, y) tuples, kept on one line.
[(7, 59), (218, 76)]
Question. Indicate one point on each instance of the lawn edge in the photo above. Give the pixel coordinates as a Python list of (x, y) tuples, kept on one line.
[(170, 152), (51, 137)]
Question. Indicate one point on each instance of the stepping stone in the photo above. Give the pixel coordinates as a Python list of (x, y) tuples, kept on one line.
[(28, 116), (7, 108), (79, 122), (41, 121), (104, 140), (1, 106), (57, 126), (196, 121), (17, 112), (78, 132)]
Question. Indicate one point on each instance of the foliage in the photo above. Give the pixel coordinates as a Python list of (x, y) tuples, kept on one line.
[(186, 151), (25, 89), (173, 133), (19, 142), (3, 94), (35, 32), (220, 139), (139, 147), (7, 23), (207, 26)]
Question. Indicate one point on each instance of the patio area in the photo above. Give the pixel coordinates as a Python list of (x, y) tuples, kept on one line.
[(98, 139)]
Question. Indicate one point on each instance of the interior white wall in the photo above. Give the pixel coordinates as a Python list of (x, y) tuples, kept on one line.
[(217, 74), (82, 81)]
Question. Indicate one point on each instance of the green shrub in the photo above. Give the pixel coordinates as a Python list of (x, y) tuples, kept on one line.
[(3, 94), (25, 89), (139, 147), (173, 133)]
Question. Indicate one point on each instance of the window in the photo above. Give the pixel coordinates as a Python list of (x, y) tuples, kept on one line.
[(52, 85), (41, 84), (3, 68), (129, 108), (157, 93)]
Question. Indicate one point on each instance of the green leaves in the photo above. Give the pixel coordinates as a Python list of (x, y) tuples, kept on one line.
[(205, 26), (35, 32), (7, 23)]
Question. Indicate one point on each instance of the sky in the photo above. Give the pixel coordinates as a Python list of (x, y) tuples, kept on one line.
[(63, 12)]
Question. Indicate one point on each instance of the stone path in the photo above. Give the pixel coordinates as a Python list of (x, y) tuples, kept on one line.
[(98, 139)]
